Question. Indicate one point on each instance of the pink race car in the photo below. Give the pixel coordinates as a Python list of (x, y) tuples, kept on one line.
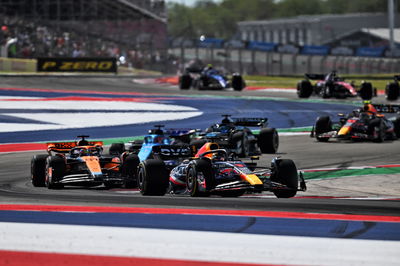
[(330, 85)]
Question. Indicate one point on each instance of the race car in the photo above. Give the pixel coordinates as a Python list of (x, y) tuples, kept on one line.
[(331, 85), (367, 123), (392, 89), (211, 171), (79, 163), (209, 78), (156, 145), (234, 135)]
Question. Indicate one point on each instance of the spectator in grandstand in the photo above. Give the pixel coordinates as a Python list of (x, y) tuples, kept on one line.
[(77, 51)]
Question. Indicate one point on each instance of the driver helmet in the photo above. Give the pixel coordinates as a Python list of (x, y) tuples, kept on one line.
[(84, 152), (369, 108), (218, 157)]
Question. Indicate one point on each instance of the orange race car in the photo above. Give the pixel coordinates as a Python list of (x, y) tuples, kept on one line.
[(81, 163)]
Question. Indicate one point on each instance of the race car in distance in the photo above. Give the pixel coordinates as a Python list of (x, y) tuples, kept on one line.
[(330, 85), (367, 123), (79, 163), (155, 145), (392, 89), (234, 135), (209, 78), (211, 171)]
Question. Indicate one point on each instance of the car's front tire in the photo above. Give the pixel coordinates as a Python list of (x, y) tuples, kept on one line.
[(55, 171), (204, 167), (38, 170), (322, 125), (153, 178), (285, 172)]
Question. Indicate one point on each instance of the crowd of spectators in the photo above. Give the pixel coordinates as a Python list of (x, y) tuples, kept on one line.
[(27, 39)]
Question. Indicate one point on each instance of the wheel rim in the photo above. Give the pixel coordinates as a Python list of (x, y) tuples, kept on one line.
[(275, 141), (190, 180), (140, 178), (48, 179)]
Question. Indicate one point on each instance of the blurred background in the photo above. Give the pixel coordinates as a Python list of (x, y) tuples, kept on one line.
[(256, 37)]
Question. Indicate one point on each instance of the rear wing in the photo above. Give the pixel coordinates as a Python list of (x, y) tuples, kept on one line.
[(387, 108), (315, 76), (250, 122), (65, 147)]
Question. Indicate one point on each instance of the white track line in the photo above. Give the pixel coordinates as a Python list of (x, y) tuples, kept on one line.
[(196, 245)]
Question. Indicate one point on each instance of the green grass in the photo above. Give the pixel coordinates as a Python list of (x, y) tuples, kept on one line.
[(379, 81)]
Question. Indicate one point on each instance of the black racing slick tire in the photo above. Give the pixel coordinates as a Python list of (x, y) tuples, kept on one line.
[(304, 89), (38, 170), (377, 128), (392, 91), (55, 171), (240, 139), (238, 82), (129, 169), (268, 140), (153, 178), (285, 172), (185, 81), (117, 148), (322, 125), (366, 91), (396, 124), (193, 186)]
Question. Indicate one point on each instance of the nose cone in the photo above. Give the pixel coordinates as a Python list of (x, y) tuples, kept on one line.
[(344, 131)]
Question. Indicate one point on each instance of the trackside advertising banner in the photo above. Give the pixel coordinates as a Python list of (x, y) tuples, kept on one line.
[(50, 64)]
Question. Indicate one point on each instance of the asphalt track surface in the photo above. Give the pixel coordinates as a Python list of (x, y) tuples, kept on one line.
[(15, 186)]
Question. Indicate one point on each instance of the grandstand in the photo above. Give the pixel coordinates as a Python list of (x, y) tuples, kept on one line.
[(84, 10), (83, 27)]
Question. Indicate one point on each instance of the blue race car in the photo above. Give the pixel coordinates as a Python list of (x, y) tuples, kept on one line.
[(156, 145), (209, 78)]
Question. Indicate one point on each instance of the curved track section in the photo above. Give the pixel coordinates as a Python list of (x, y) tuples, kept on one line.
[(326, 225), (15, 185)]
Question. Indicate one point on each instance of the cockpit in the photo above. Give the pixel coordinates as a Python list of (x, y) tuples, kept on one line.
[(157, 139), (86, 151)]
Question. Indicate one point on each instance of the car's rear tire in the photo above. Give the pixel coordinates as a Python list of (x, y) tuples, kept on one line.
[(55, 171), (200, 166), (153, 178), (268, 140), (38, 170), (286, 174), (238, 82), (240, 140), (396, 124), (392, 91), (304, 89), (129, 169), (117, 148), (185, 81), (322, 125), (377, 127), (366, 91)]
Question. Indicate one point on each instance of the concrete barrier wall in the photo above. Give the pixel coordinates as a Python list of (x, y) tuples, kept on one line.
[(17, 65)]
